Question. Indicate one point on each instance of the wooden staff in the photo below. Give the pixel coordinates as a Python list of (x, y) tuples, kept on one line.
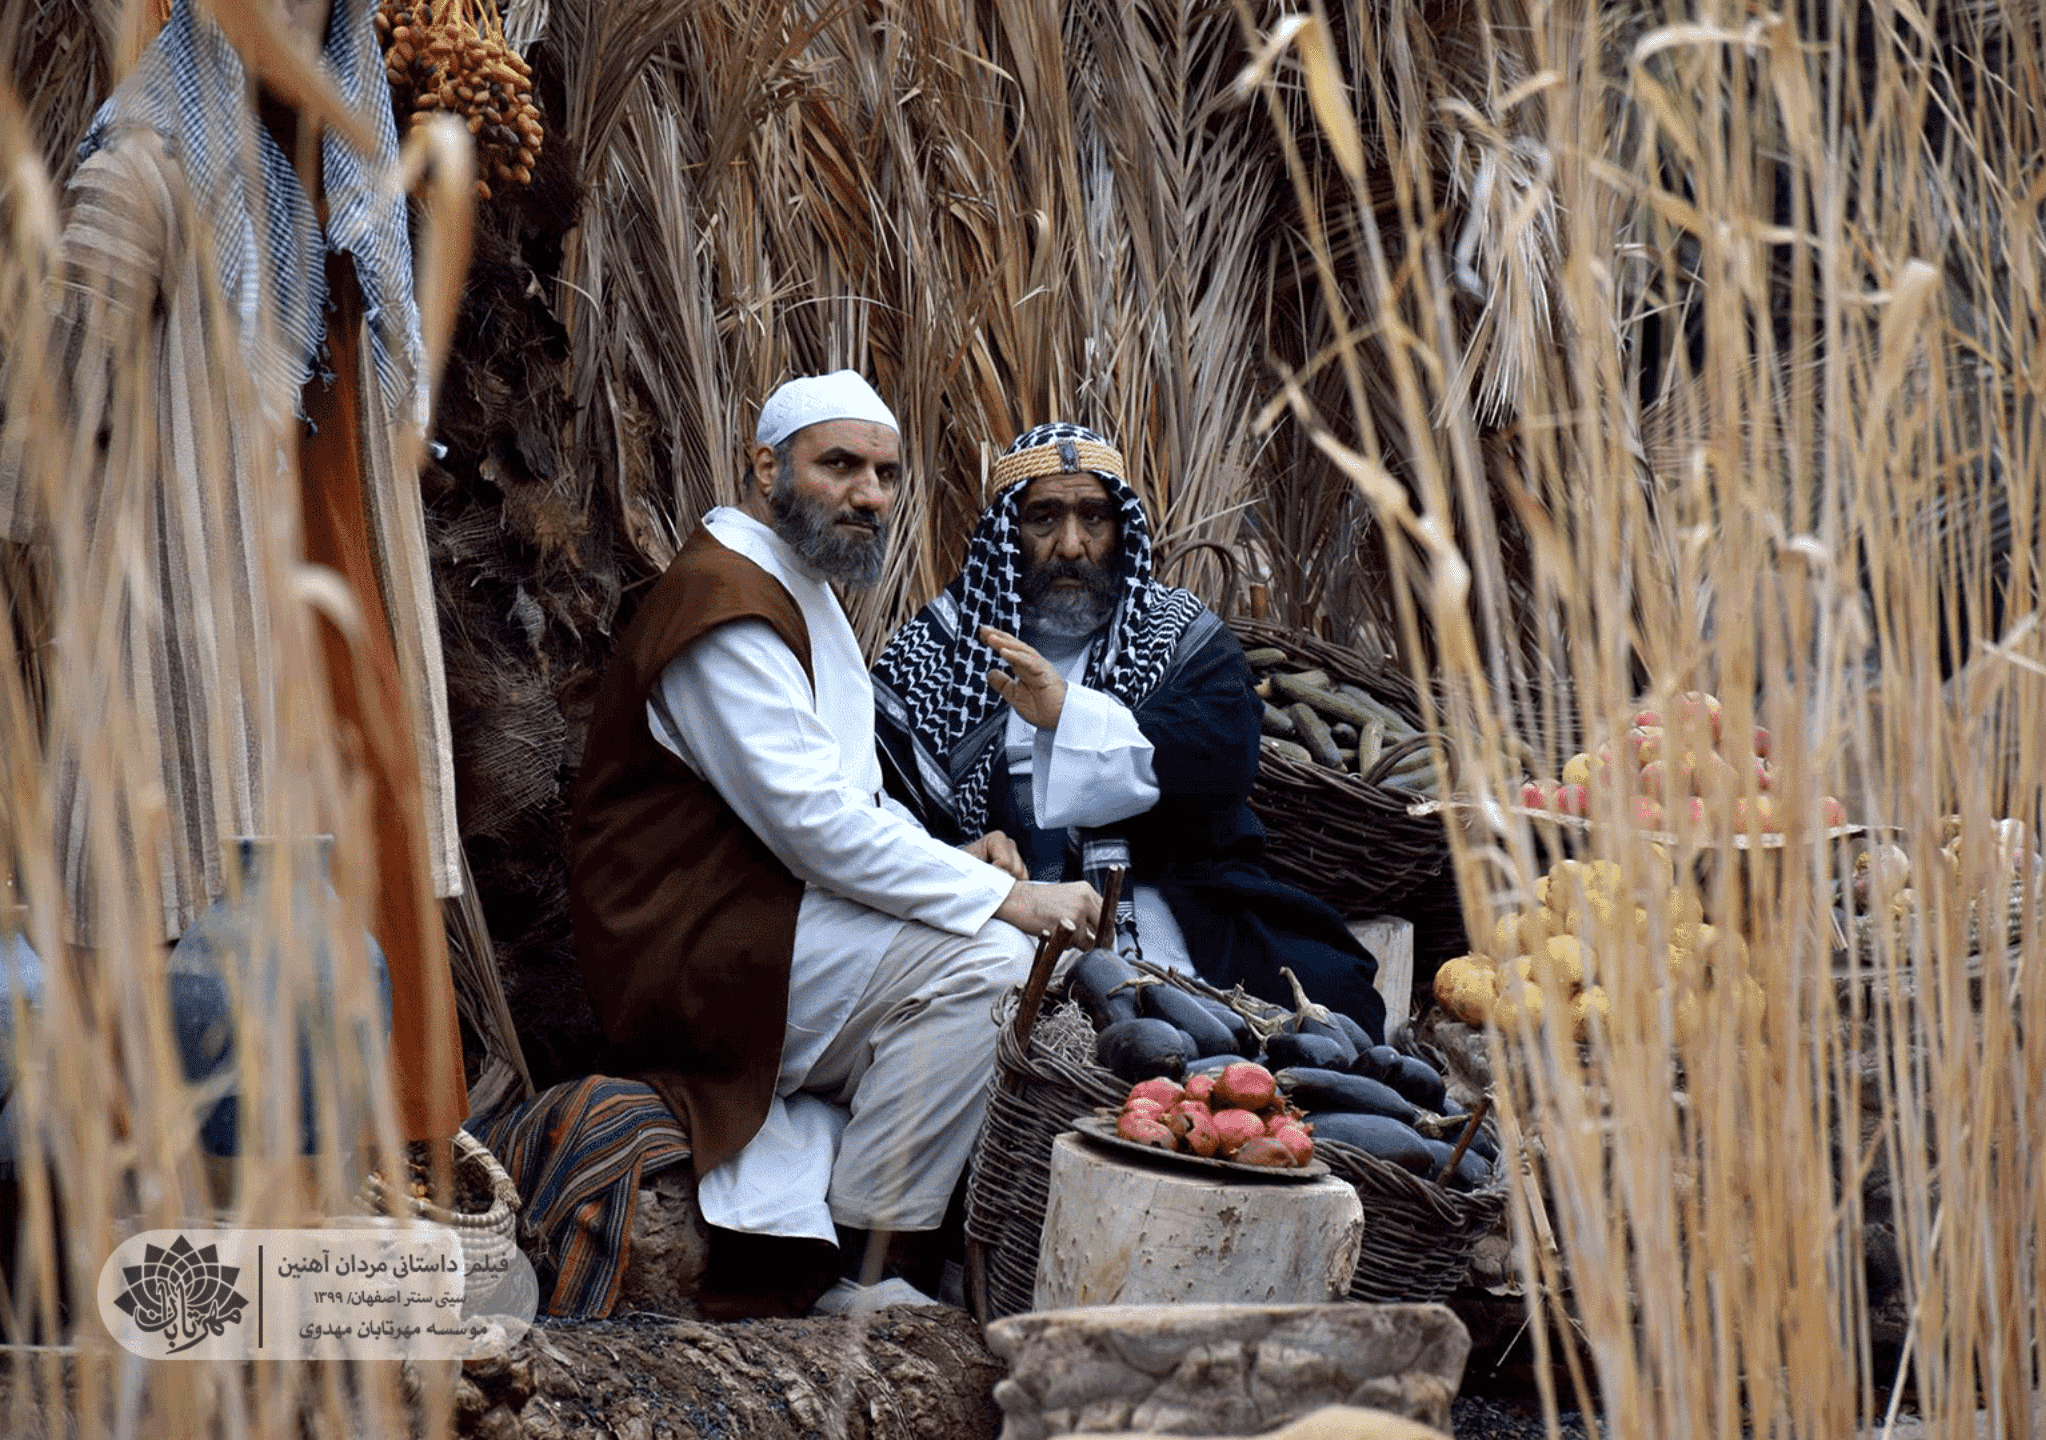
[(1104, 928), (1051, 945), (1463, 1141)]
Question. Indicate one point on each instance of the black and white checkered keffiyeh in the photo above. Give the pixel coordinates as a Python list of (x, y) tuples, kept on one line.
[(937, 719), (269, 253)]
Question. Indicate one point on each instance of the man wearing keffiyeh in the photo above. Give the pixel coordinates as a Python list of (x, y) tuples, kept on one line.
[(1057, 692)]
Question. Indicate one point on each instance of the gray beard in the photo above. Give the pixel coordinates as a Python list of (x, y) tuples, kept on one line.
[(812, 532), (1066, 615)]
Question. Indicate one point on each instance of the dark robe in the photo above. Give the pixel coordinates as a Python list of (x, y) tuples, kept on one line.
[(685, 922), (1200, 845)]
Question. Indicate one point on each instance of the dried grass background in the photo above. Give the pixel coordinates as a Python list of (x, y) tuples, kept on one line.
[(1569, 353)]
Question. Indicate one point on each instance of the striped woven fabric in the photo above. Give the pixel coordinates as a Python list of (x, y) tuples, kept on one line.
[(578, 1153)]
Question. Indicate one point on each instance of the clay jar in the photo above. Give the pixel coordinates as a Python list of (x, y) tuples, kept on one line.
[(239, 948)]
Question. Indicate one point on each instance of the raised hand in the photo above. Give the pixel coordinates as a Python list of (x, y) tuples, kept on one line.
[(1035, 688)]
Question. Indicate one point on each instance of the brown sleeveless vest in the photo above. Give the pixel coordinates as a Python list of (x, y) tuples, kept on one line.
[(684, 921)]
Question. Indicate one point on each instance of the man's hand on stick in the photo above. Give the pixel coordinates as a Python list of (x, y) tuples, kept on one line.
[(1034, 908), (1036, 689)]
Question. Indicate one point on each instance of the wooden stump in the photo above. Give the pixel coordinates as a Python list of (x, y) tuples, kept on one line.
[(1128, 1233)]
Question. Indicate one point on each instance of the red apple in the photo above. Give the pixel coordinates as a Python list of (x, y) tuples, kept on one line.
[(1765, 775), (1638, 737), (1762, 741), (1572, 799), (1832, 812), (1538, 794), (1647, 812), (1648, 719)]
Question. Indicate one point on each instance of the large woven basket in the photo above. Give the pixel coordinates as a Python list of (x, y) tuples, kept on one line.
[(1418, 1236), (1037, 1095), (488, 1234), (1349, 839)]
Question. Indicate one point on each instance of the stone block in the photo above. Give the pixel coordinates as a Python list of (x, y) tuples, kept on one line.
[(1219, 1370), (1332, 1422)]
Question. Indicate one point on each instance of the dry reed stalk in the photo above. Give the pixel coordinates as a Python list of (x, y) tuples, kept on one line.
[(1001, 216), (105, 1131), (1844, 258)]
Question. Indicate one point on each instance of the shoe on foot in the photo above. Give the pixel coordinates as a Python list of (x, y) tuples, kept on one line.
[(849, 1297)]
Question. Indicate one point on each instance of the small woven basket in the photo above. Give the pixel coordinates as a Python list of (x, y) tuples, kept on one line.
[(1037, 1095), (489, 1234), (1350, 839)]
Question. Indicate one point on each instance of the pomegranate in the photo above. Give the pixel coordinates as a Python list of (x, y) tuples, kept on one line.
[(1149, 1109), (1245, 1085), (1146, 1131), (1234, 1129), (1297, 1141), (1265, 1151), (1200, 1087), (1203, 1138), (1166, 1092)]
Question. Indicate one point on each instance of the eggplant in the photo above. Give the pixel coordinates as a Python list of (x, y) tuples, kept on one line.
[(1214, 1064), (1377, 1063), (1290, 1051), (1138, 1049), (1313, 1027), (1359, 1038), (1378, 1135), (1471, 1172), (1419, 1082), (1169, 1003), (1096, 978), (1241, 1035), (1321, 1092)]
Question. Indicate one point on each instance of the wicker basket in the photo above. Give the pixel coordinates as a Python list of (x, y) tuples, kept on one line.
[(1036, 1097), (1349, 839), (1418, 1236), (489, 1234)]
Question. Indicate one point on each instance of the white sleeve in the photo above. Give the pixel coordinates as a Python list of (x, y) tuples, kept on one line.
[(1095, 767), (737, 709)]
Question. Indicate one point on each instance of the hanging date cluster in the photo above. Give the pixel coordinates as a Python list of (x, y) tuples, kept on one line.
[(451, 55)]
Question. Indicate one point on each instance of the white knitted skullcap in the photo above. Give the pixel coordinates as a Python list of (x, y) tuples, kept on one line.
[(813, 399)]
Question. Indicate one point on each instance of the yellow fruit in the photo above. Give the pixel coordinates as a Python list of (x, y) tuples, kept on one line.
[(1565, 963), (1534, 930), (1519, 1007), (1506, 934), (1603, 877), (1577, 769), (1681, 907)]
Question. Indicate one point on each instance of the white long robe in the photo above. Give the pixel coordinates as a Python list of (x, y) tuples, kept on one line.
[(1094, 768), (801, 771)]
